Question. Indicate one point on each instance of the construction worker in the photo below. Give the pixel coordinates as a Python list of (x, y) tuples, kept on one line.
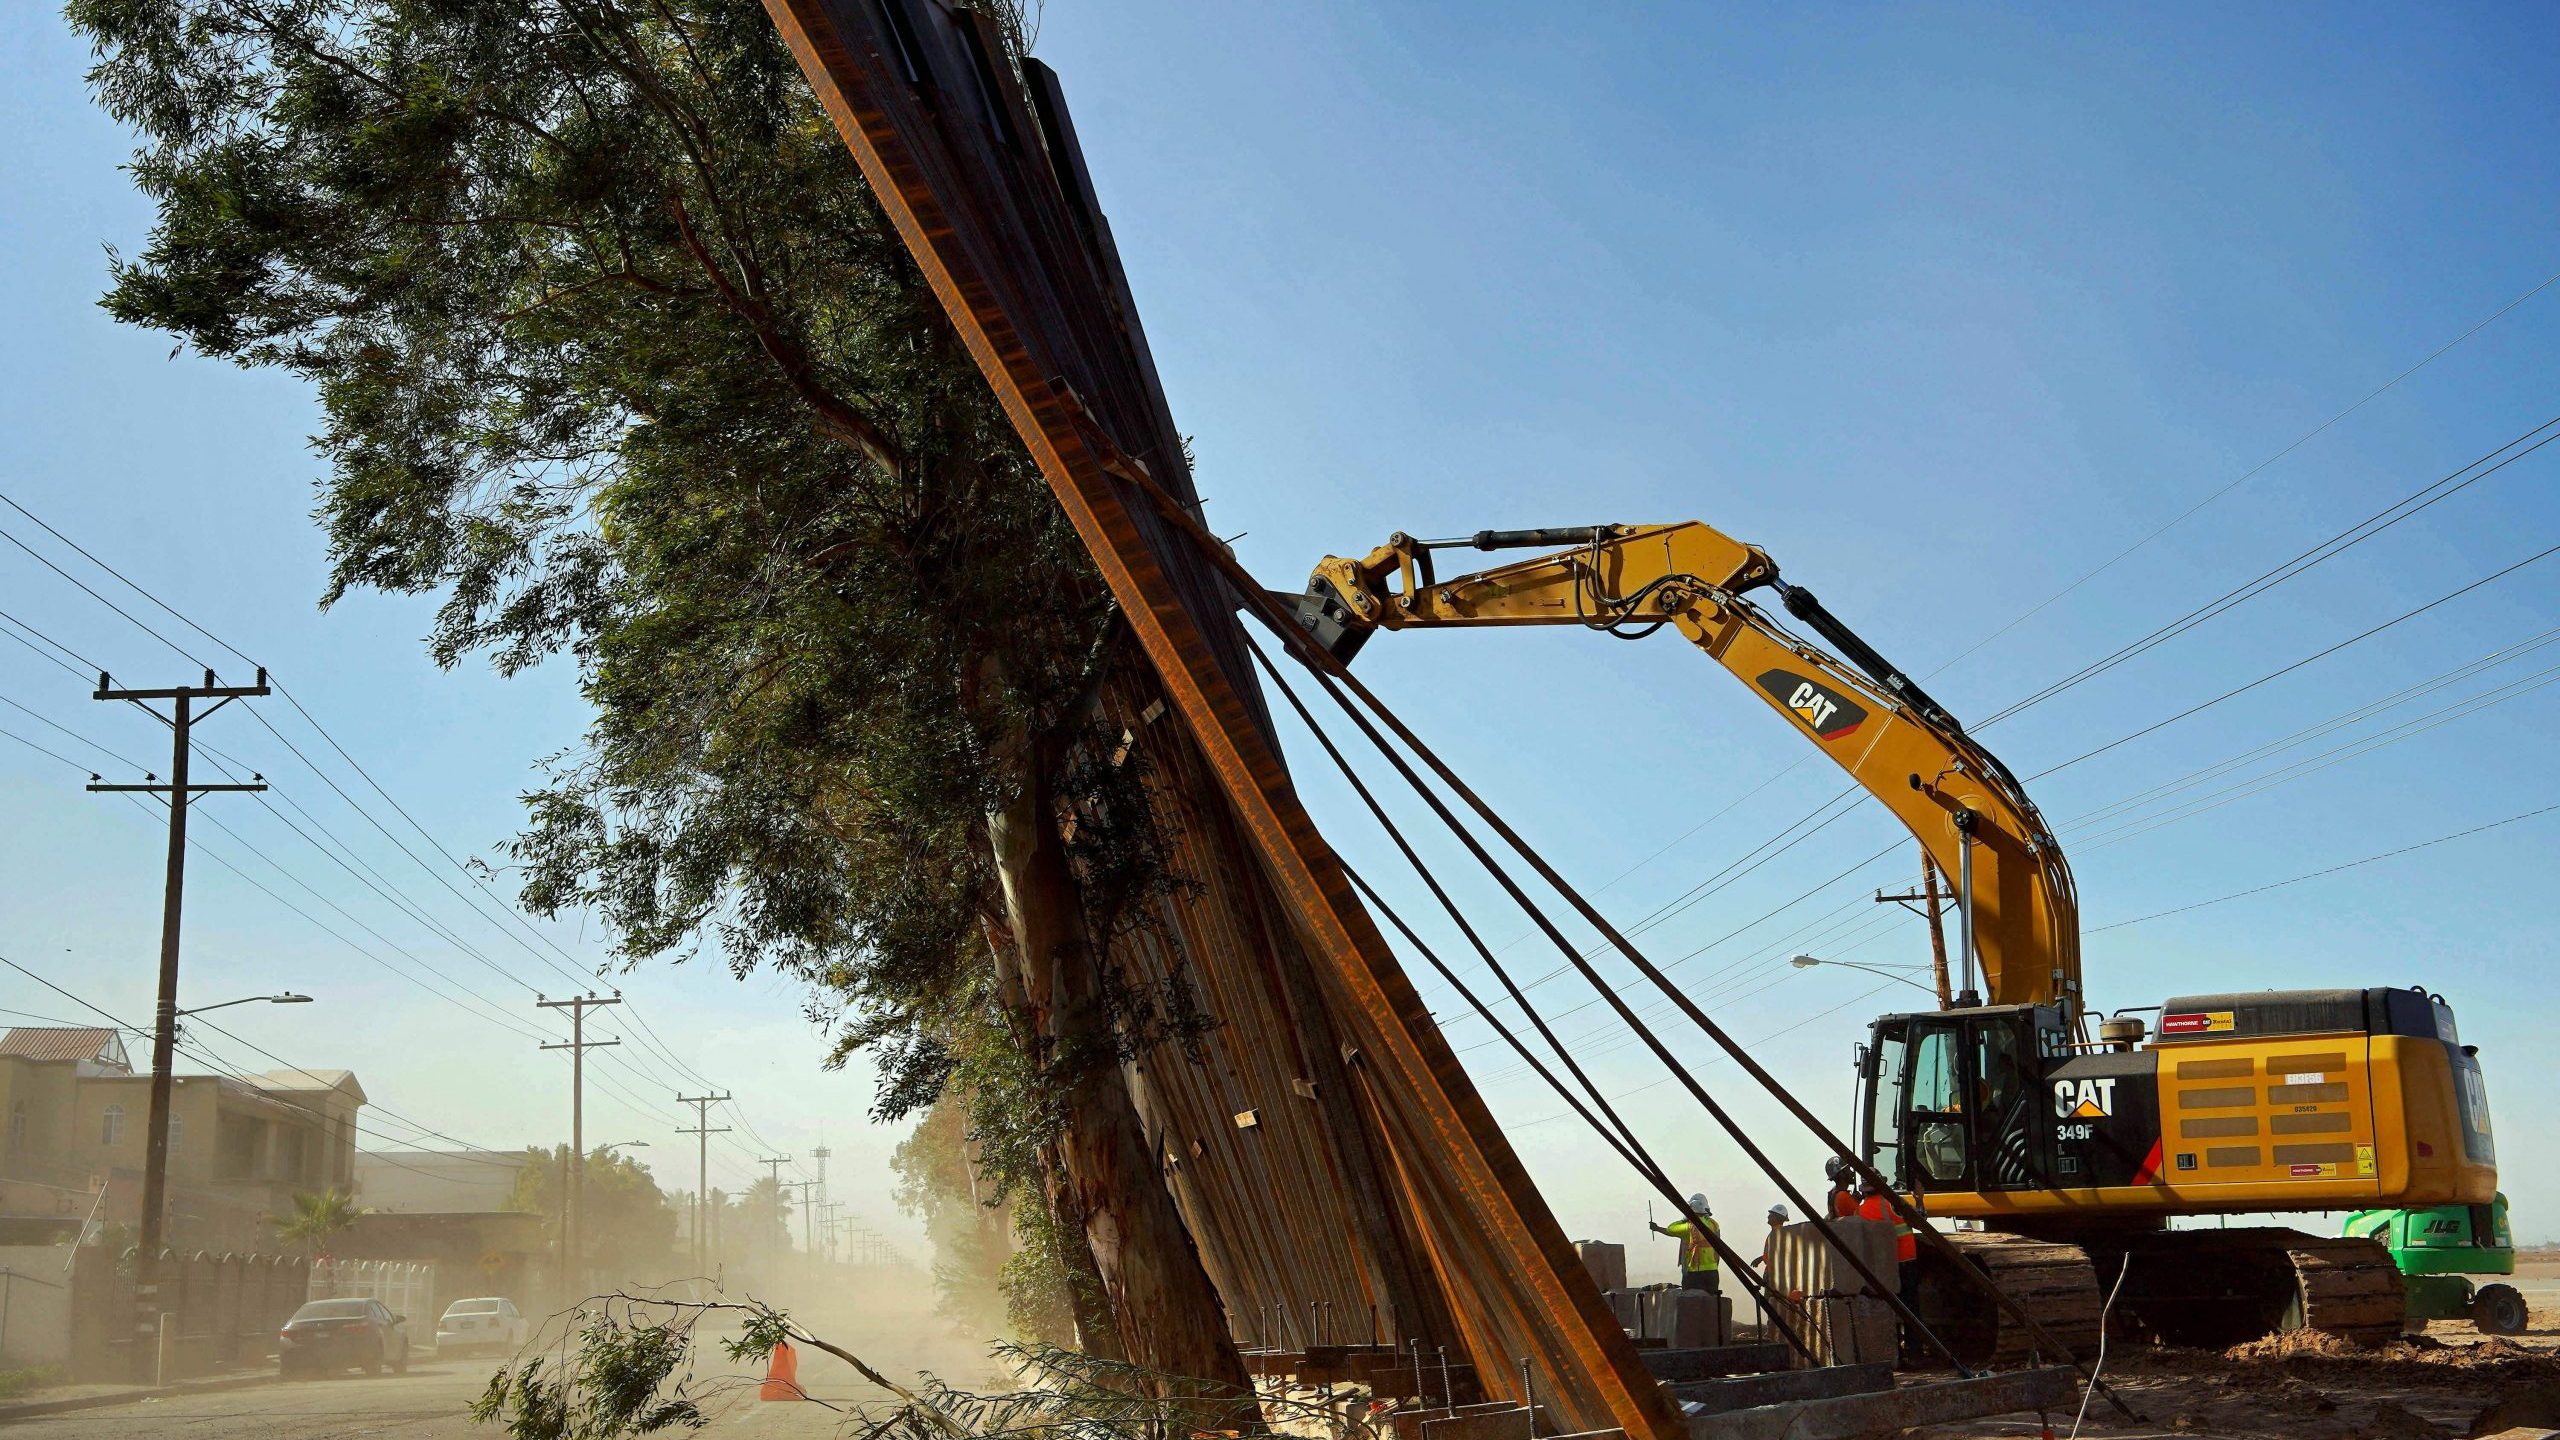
[(1697, 1254), (1843, 1200), (1769, 1247)]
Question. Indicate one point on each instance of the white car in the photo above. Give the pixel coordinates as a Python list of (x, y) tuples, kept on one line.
[(489, 1323)]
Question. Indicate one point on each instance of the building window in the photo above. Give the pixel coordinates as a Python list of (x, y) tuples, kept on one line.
[(177, 1131), (111, 1127)]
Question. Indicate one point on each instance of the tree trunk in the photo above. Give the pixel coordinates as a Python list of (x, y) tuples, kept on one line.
[(1170, 1317), (1088, 1299)]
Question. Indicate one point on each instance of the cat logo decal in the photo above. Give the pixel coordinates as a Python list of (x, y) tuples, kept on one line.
[(1824, 711)]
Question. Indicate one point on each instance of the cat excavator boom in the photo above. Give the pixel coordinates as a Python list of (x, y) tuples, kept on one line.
[(2018, 915)]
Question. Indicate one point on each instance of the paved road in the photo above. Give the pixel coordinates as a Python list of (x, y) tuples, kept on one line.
[(428, 1403)]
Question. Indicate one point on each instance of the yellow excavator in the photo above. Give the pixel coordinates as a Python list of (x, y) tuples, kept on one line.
[(2072, 1138)]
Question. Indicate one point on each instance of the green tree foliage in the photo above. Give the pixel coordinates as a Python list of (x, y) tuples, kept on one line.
[(758, 1218), (627, 1229), (996, 1262), (618, 355), (316, 1217), (637, 1368)]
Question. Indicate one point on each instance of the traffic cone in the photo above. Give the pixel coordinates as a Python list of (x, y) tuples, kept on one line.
[(781, 1375)]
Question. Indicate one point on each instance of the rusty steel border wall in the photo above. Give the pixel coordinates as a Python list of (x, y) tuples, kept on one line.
[(978, 167)]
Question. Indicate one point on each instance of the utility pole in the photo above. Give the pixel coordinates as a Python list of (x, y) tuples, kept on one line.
[(1931, 895), (164, 1015), (820, 1193), (808, 1231), (775, 1164), (571, 1217), (702, 1132)]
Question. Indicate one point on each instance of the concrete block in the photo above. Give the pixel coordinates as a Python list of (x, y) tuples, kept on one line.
[(1606, 1261), (1628, 1306)]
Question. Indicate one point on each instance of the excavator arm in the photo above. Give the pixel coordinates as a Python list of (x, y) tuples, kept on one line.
[(2020, 916)]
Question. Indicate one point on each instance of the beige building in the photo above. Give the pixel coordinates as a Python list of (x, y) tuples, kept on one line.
[(239, 1149)]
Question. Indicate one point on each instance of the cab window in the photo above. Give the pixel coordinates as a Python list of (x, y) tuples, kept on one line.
[(1935, 1087), (1884, 1113), (1940, 1137)]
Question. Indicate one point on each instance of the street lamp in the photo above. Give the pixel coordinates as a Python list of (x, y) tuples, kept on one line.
[(287, 998), (1807, 962)]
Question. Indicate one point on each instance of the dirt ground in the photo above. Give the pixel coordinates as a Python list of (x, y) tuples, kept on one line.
[(2450, 1382)]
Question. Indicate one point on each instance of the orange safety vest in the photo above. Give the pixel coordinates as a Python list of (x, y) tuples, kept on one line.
[(1906, 1245)]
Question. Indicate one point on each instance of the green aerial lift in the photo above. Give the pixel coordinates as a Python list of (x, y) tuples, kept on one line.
[(2436, 1248)]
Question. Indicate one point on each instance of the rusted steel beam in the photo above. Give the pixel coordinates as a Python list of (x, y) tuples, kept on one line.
[(1744, 1392), (964, 169), (1675, 1366)]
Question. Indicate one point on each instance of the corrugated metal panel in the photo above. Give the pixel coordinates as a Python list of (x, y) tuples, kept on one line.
[(992, 200)]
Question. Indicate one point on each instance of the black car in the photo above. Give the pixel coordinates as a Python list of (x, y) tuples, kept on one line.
[(329, 1335)]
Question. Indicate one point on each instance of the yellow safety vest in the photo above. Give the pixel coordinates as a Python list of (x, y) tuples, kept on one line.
[(1695, 1252)]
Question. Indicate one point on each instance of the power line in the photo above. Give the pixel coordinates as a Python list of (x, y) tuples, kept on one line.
[(504, 911), (2330, 725), (2408, 506), (2330, 870), (2336, 755), (2321, 654), (39, 558), (2251, 473), (76, 671), (225, 1068), (2120, 556)]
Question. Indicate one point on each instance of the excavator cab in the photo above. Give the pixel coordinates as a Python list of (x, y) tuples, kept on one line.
[(1952, 1100)]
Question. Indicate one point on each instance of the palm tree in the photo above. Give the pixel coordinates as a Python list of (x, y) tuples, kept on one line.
[(317, 1217)]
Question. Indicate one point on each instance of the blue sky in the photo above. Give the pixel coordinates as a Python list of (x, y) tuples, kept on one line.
[(1944, 308)]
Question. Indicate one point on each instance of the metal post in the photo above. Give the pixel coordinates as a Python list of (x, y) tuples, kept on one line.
[(164, 1014), (1964, 903)]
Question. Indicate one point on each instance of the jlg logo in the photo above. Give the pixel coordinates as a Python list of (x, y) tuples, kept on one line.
[(1825, 711)]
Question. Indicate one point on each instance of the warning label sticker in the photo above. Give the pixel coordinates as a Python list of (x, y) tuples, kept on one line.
[(2196, 1022), (2304, 1172)]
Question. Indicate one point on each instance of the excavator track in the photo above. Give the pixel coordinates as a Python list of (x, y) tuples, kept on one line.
[(2346, 1287), (2053, 1282), (2215, 1288)]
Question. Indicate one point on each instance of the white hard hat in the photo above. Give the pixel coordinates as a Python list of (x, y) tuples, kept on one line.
[(1698, 1203), (1778, 1214)]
